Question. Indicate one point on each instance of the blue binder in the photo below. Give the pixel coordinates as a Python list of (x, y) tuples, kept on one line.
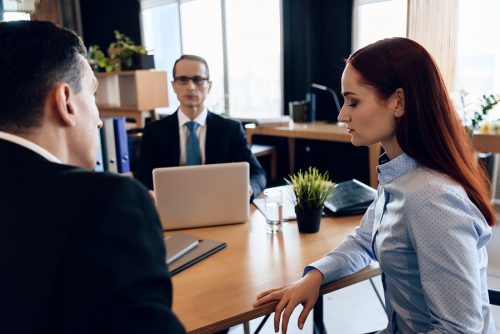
[(121, 142)]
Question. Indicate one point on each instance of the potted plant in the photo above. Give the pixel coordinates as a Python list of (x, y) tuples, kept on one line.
[(128, 55), (476, 121), (311, 189), (98, 60), (123, 54)]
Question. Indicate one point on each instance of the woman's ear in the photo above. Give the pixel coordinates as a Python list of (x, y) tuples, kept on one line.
[(399, 103), (64, 106)]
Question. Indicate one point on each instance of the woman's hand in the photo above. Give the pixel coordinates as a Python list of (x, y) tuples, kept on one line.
[(304, 291)]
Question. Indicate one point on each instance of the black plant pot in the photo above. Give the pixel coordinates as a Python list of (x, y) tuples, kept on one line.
[(308, 220), (139, 62)]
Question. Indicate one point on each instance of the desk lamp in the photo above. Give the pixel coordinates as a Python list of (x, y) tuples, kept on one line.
[(335, 97)]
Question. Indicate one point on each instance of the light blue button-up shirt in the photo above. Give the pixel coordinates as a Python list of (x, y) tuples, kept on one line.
[(429, 240)]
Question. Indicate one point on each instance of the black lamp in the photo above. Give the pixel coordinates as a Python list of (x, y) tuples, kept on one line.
[(335, 97)]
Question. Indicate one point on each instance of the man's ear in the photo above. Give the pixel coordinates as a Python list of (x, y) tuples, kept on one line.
[(399, 103), (64, 105)]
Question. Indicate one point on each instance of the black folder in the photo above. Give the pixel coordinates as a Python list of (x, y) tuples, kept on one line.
[(204, 249), (350, 198)]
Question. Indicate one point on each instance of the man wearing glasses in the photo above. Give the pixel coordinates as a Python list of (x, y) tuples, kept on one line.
[(193, 135)]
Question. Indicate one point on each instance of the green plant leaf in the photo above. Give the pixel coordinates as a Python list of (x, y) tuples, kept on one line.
[(311, 188)]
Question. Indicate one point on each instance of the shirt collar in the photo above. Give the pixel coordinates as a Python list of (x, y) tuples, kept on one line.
[(29, 145), (201, 119), (393, 169)]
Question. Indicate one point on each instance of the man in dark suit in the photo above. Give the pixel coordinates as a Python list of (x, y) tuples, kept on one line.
[(80, 252), (165, 143)]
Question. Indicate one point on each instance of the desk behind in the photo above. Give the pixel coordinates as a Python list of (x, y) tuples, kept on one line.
[(315, 131), (219, 291)]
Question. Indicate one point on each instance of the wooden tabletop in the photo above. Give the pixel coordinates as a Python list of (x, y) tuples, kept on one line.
[(487, 142), (316, 131), (219, 291)]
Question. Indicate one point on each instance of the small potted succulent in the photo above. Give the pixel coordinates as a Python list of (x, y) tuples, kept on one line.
[(311, 189)]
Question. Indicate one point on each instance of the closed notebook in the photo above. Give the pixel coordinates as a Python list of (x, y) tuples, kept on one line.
[(204, 249), (178, 245), (350, 197)]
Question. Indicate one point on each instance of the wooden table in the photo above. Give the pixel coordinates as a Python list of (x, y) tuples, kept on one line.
[(314, 131), (490, 143), (219, 291), (487, 142)]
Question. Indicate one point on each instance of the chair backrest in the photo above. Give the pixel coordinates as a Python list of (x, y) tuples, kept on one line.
[(494, 297)]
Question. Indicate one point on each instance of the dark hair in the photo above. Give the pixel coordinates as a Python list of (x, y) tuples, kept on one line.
[(195, 58), (430, 130), (34, 56)]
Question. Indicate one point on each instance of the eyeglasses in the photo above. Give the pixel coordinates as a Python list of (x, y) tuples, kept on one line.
[(184, 80)]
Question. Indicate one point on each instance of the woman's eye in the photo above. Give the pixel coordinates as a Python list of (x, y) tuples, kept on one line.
[(352, 104)]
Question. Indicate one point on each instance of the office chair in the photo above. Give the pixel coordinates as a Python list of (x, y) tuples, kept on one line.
[(494, 297)]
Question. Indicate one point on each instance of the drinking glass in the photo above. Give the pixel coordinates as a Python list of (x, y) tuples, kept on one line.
[(274, 209)]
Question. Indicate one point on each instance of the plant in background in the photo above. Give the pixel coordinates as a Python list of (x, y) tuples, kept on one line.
[(120, 54), (478, 117), (98, 60), (311, 188), (123, 50)]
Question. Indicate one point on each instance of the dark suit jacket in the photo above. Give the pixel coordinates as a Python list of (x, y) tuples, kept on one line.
[(225, 141), (80, 252)]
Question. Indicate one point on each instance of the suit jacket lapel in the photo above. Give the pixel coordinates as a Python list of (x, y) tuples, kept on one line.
[(174, 140), (210, 138)]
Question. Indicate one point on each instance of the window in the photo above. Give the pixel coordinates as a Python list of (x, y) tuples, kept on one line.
[(478, 55), (477, 71), (202, 35), (377, 19), (16, 16), (243, 52), (254, 57)]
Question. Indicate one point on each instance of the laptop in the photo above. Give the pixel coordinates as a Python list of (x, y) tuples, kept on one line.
[(203, 195)]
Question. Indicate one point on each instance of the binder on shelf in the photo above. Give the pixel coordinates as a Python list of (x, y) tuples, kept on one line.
[(109, 146), (99, 165), (205, 248), (121, 142)]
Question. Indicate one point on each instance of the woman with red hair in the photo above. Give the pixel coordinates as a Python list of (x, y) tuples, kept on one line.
[(430, 221)]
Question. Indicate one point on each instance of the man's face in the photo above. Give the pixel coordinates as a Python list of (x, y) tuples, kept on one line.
[(191, 94), (83, 140)]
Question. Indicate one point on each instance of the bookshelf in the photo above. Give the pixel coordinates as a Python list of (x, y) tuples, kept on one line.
[(131, 94)]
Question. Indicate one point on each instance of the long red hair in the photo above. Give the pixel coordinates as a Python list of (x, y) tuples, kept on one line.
[(430, 130)]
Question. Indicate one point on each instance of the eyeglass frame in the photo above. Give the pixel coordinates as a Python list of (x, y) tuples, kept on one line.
[(196, 80)]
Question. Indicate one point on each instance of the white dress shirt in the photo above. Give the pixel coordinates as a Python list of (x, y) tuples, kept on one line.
[(29, 145), (201, 131)]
